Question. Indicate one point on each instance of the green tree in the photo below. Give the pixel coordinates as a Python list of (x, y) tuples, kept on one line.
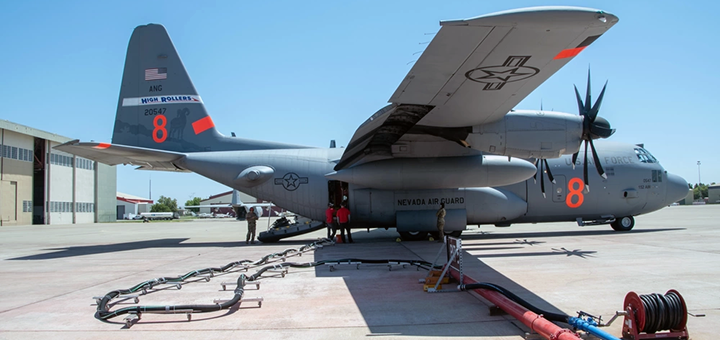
[(700, 191), (194, 201), (164, 204), (159, 207)]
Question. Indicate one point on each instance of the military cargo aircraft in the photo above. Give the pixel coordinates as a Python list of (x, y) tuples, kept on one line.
[(449, 135)]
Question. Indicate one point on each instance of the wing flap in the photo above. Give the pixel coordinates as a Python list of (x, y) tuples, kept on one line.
[(114, 154)]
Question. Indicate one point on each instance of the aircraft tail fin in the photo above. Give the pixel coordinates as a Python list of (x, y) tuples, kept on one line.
[(159, 107)]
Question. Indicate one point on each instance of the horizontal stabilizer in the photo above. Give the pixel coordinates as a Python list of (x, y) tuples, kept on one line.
[(114, 154)]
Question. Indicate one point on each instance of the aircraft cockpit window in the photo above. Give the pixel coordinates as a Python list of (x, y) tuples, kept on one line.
[(644, 156)]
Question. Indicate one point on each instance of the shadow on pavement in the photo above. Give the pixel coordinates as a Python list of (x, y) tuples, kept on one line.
[(485, 235), (391, 301)]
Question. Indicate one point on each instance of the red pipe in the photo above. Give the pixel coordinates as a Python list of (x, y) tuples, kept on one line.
[(535, 322)]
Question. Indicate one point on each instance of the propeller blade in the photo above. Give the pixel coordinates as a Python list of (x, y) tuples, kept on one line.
[(596, 108), (574, 159), (536, 166), (542, 180), (581, 106), (585, 171), (598, 166), (588, 101), (550, 176)]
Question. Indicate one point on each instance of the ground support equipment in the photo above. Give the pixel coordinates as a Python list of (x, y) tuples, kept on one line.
[(452, 247), (280, 231), (646, 316), (134, 313)]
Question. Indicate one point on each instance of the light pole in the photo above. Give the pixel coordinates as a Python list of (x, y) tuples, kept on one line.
[(699, 181)]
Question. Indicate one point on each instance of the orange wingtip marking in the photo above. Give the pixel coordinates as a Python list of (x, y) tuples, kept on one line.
[(102, 146), (570, 52), (202, 124)]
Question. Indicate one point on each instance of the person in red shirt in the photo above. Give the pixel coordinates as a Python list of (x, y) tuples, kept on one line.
[(343, 216), (330, 221)]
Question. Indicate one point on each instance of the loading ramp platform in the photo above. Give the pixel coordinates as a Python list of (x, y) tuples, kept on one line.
[(283, 228)]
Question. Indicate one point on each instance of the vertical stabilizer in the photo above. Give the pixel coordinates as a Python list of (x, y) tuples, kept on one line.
[(159, 107)]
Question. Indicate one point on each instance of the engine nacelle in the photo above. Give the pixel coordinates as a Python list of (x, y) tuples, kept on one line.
[(529, 134)]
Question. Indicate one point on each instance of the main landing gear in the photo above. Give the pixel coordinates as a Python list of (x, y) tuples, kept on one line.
[(422, 235)]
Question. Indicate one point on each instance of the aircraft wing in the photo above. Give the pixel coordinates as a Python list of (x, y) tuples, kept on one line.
[(475, 71), (113, 154)]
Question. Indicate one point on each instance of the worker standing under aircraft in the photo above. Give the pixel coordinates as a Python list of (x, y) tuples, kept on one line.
[(251, 219), (330, 221), (343, 217), (441, 222)]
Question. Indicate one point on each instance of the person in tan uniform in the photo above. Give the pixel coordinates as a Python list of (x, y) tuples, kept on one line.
[(441, 222), (251, 219)]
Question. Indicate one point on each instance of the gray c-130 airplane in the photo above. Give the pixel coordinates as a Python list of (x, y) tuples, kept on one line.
[(449, 135)]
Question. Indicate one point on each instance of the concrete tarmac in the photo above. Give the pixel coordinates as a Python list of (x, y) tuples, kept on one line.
[(49, 274)]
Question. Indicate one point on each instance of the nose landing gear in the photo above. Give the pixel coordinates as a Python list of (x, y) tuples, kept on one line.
[(623, 224)]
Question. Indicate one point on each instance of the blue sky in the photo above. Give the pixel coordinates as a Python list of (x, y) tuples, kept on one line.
[(305, 72)]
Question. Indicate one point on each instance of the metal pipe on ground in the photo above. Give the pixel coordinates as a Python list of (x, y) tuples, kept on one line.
[(590, 328), (535, 322)]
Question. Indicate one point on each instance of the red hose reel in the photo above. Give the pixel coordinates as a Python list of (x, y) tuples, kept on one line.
[(655, 316)]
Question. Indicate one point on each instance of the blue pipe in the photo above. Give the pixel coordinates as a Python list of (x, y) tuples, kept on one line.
[(590, 326)]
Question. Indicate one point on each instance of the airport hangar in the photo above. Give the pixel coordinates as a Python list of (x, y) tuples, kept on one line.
[(40, 185)]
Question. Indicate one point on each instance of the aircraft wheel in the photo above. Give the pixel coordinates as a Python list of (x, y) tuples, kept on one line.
[(413, 235), (454, 233), (624, 223)]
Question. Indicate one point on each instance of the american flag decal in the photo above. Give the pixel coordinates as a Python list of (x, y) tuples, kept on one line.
[(156, 73)]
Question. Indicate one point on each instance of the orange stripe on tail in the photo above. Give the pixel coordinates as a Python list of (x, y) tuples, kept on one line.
[(102, 146), (202, 124)]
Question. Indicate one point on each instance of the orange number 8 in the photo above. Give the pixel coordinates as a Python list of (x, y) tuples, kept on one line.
[(159, 128), (575, 186)]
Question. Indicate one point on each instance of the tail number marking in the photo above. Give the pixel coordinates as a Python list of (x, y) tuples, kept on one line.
[(575, 186), (159, 128), (155, 111)]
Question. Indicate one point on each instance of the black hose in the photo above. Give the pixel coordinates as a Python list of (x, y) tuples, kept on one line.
[(490, 286), (104, 314), (662, 312)]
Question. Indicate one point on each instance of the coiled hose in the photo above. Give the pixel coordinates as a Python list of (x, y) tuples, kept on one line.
[(662, 312)]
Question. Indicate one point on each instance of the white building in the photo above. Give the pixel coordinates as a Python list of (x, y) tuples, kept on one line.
[(41, 185), (224, 201), (128, 206)]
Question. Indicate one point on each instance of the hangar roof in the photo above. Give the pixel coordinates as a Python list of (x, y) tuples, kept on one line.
[(132, 199), (26, 130)]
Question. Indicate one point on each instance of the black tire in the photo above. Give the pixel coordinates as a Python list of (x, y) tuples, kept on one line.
[(413, 235), (454, 233), (623, 223)]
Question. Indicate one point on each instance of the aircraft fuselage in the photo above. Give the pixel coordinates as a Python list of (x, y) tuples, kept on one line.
[(296, 180)]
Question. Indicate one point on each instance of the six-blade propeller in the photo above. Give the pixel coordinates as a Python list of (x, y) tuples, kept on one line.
[(594, 127)]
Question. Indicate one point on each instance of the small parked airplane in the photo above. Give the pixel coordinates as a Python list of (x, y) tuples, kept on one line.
[(449, 135)]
